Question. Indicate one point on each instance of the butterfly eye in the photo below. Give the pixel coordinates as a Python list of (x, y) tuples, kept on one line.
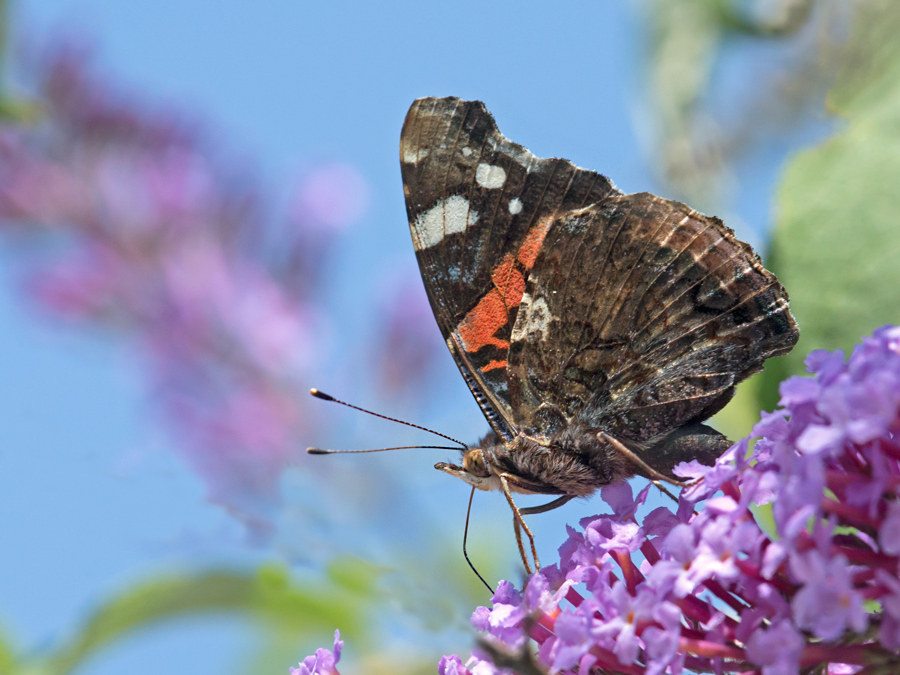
[(473, 463)]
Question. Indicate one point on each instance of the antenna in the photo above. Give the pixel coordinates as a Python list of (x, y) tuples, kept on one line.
[(325, 397), (322, 451)]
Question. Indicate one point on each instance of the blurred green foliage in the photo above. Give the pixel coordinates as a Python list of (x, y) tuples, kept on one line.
[(290, 611), (836, 243), (293, 613), (691, 147), (834, 239)]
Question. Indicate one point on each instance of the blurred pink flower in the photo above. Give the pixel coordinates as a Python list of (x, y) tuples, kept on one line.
[(408, 343), (165, 244), (331, 197)]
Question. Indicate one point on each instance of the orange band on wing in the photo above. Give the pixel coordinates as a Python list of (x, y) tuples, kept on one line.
[(509, 281), (492, 365), (491, 313), (486, 318), (528, 251)]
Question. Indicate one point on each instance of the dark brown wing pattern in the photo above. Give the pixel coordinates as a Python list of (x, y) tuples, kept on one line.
[(479, 208), (639, 317)]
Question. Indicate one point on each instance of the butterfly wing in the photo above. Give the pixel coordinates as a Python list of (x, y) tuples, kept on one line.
[(479, 209), (566, 302), (639, 317)]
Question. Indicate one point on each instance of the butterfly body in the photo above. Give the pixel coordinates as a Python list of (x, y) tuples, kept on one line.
[(596, 330), (575, 462)]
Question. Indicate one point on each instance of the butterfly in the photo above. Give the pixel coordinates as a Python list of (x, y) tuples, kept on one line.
[(596, 330)]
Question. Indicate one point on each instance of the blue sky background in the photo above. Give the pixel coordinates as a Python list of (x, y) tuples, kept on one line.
[(91, 498)]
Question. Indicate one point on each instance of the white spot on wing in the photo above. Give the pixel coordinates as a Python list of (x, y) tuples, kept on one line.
[(411, 156), (490, 176), (466, 151), (448, 216), (534, 317), (515, 206)]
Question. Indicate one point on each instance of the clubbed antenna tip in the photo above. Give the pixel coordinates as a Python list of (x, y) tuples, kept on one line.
[(325, 397)]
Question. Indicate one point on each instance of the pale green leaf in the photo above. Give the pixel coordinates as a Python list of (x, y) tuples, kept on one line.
[(837, 241)]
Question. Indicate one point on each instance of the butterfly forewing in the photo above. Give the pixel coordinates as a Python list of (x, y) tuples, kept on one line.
[(479, 208)]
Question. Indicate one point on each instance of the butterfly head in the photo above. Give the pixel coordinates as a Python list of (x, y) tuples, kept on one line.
[(484, 463), (475, 470)]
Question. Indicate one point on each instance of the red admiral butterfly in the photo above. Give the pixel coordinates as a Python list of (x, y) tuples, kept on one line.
[(596, 330)]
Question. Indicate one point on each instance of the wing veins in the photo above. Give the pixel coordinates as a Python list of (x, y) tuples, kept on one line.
[(559, 376), (707, 225), (678, 297), (619, 302), (687, 290), (756, 293), (606, 259)]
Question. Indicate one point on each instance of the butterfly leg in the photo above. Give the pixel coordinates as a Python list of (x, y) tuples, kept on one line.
[(518, 522), (549, 506), (518, 531), (654, 475), (556, 503)]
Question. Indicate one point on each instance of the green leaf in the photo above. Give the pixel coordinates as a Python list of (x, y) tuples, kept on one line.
[(837, 241)]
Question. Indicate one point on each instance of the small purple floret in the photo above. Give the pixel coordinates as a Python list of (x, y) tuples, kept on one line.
[(323, 662)]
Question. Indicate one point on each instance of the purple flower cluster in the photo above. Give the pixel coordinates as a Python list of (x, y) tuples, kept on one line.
[(153, 234), (810, 581), (323, 662)]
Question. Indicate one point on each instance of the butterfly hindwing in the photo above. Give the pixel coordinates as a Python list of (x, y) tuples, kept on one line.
[(639, 317), (479, 208)]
